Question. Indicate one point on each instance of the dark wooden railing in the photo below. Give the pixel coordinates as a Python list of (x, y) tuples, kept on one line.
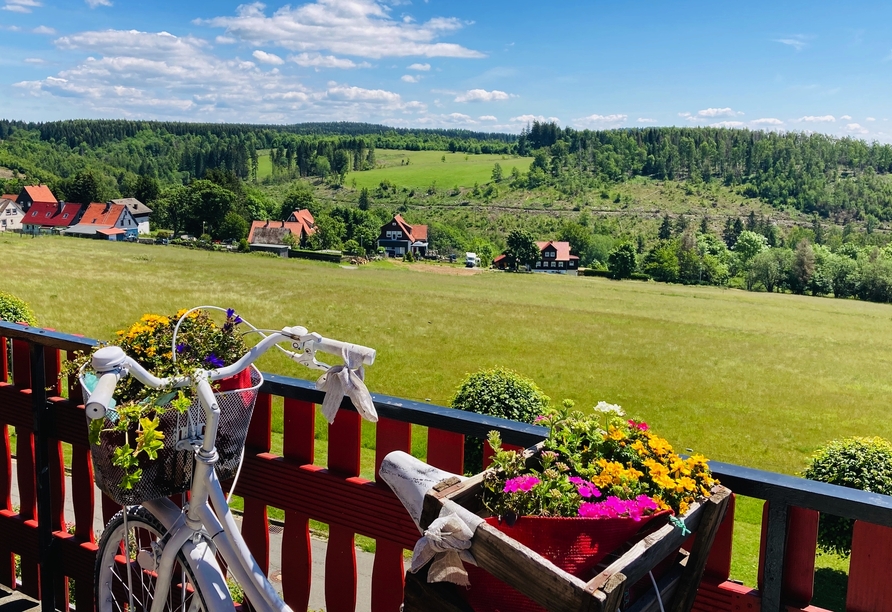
[(337, 495)]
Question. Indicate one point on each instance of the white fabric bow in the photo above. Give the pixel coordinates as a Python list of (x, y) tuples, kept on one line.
[(446, 541), (346, 380)]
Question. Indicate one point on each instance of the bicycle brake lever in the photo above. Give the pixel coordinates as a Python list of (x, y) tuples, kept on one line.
[(304, 345)]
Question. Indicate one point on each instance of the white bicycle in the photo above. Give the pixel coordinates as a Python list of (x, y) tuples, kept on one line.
[(156, 556)]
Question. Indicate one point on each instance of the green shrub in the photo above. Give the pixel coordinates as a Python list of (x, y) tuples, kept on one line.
[(501, 393), (601, 273), (244, 246), (14, 310), (857, 463)]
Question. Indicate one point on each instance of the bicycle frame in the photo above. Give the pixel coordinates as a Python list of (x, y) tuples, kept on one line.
[(191, 529)]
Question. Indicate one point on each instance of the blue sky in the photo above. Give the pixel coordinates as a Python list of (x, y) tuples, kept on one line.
[(490, 66)]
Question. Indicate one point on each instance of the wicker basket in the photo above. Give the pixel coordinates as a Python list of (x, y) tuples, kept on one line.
[(171, 472)]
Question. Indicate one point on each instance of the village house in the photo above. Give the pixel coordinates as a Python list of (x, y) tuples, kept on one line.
[(34, 194), (10, 214), (398, 238), (46, 217), (300, 224), (139, 211), (554, 258), (105, 222)]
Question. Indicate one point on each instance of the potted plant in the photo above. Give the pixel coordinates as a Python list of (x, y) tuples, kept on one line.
[(594, 483), (136, 455)]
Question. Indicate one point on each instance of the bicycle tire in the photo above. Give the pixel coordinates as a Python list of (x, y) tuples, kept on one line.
[(112, 593)]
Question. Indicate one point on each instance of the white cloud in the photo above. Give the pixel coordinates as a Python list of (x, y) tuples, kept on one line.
[(362, 28), (797, 41), (854, 128), (481, 95), (34, 60), (871, 119), (646, 120), (845, 118), (21, 6), (717, 112), (344, 92), (267, 58), (316, 60), (419, 67), (225, 40), (488, 118), (531, 118), (43, 30), (410, 78), (598, 120), (686, 115), (767, 121), (94, 3), (817, 119), (728, 124)]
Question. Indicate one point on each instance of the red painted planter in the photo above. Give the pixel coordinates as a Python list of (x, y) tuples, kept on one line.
[(576, 545)]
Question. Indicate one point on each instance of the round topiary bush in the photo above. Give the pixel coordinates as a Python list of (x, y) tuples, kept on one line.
[(857, 463), (14, 310), (501, 393)]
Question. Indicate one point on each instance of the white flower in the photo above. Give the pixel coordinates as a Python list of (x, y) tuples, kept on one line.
[(609, 409)]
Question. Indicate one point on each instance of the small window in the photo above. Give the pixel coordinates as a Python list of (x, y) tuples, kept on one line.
[(48, 214), (34, 214), (4, 222), (560, 264), (538, 264), (65, 216)]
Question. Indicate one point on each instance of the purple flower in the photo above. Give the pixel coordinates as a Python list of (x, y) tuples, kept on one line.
[(587, 490), (182, 347), (231, 319), (214, 361), (229, 313), (520, 483), (576, 480)]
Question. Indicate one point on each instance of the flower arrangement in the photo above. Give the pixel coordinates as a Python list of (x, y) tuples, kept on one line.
[(597, 465), (199, 343)]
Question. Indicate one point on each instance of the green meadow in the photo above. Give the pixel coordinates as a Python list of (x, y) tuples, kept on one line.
[(421, 169), (750, 378)]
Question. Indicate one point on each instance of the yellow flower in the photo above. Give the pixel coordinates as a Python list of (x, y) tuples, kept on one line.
[(659, 445), (638, 447), (615, 434)]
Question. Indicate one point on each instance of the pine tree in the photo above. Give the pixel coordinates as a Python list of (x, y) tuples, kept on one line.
[(666, 228)]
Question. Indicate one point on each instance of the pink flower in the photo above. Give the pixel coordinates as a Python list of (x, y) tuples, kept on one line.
[(540, 418), (576, 480), (520, 483), (639, 425), (587, 490), (616, 507)]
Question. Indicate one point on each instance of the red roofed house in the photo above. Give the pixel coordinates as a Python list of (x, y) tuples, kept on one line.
[(106, 222), (398, 237), (35, 194), (300, 224), (554, 258), (45, 217)]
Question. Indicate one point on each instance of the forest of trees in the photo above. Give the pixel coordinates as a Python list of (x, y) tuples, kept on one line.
[(202, 178)]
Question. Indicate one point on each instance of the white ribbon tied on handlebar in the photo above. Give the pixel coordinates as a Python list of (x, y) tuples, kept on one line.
[(346, 380)]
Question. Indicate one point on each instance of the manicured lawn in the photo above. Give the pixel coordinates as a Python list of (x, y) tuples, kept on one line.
[(426, 168), (755, 379)]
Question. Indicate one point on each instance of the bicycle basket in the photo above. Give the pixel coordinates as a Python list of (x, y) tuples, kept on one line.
[(171, 472)]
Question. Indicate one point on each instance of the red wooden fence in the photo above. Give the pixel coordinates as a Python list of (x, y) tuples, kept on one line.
[(335, 495)]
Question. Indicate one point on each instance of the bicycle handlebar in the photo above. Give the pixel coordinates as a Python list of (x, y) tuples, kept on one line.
[(112, 364)]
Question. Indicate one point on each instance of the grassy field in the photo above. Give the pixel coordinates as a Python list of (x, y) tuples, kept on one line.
[(755, 379), (424, 168)]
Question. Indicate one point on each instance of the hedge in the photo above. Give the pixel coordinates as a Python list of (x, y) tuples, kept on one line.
[(300, 253), (608, 274)]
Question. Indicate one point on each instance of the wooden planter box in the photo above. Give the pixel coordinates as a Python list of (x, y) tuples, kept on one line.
[(556, 590)]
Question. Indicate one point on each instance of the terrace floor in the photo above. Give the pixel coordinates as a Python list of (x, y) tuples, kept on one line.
[(14, 601)]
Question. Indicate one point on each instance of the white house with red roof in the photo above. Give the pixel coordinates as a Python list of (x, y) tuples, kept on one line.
[(138, 210), (35, 194), (554, 258), (106, 222), (46, 217), (299, 224), (398, 238), (11, 214)]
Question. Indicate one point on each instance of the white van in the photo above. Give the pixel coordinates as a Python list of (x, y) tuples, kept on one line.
[(471, 260)]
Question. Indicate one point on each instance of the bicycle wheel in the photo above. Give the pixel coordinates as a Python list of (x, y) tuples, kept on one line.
[(116, 591)]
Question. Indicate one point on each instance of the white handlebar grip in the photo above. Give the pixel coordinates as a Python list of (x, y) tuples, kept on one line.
[(335, 347), (97, 405)]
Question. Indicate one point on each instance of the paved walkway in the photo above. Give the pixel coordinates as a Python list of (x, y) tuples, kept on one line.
[(364, 561)]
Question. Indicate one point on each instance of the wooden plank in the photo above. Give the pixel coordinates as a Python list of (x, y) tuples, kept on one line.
[(666, 585), (528, 572), (391, 436), (388, 573), (82, 493), (718, 566), (255, 531), (259, 436), (298, 442), (870, 589), (797, 583), (7, 563), (340, 570), (649, 551), (297, 560), (464, 493), (344, 438), (713, 513), (446, 450)]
